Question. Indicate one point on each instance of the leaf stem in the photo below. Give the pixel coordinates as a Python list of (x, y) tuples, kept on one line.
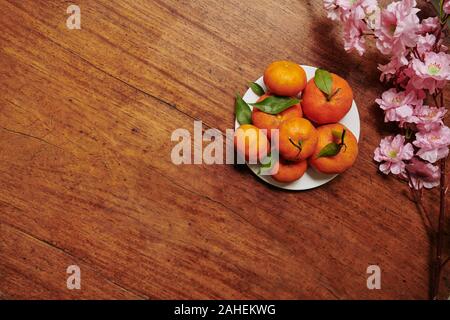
[(342, 144), (297, 145), (330, 96)]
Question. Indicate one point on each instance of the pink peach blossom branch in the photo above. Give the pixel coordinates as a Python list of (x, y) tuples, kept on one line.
[(419, 66)]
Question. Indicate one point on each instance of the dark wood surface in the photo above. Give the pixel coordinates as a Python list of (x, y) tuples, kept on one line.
[(86, 176)]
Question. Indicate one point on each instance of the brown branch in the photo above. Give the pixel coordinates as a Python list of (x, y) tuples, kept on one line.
[(445, 262), (439, 237), (423, 212), (436, 104)]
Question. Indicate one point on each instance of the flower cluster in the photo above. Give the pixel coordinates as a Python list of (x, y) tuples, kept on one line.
[(418, 69), (358, 17)]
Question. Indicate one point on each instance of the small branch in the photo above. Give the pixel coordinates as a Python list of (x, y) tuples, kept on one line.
[(438, 102), (425, 217), (444, 22), (435, 101), (437, 265), (416, 54), (434, 7), (445, 262)]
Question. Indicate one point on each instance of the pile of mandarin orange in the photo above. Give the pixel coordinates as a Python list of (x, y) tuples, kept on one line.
[(309, 132)]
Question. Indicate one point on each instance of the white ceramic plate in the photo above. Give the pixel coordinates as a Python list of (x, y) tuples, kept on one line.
[(311, 178)]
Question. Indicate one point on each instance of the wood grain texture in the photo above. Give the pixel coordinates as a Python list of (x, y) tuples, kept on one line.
[(86, 177)]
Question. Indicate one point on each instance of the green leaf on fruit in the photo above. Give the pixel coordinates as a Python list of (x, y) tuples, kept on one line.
[(256, 88), (266, 165), (333, 148), (330, 150), (275, 104), (243, 112), (323, 81)]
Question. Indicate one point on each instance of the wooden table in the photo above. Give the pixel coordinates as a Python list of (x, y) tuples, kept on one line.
[(86, 177)]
